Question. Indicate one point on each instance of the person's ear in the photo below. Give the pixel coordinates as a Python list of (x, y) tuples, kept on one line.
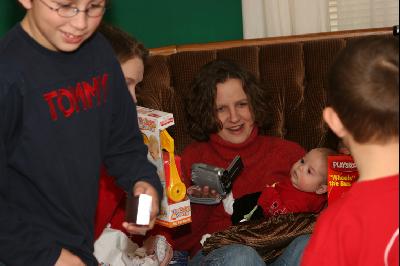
[(27, 4), (332, 119), (322, 189)]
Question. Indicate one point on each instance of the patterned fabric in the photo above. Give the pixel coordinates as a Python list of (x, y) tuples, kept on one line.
[(268, 237)]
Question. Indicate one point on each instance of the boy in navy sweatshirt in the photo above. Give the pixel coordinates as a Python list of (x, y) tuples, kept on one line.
[(64, 109)]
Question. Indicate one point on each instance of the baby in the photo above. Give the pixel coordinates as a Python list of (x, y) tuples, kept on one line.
[(304, 191)]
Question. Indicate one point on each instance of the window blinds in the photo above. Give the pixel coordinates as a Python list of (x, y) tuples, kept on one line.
[(359, 14)]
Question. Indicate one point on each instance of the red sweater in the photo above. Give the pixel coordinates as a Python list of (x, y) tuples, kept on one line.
[(285, 198), (361, 228), (110, 206), (266, 160)]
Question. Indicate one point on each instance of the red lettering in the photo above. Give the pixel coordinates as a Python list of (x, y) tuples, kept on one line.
[(48, 97), (92, 91), (66, 94), (80, 97), (69, 100)]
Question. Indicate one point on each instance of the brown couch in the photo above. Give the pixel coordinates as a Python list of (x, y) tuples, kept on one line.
[(292, 69)]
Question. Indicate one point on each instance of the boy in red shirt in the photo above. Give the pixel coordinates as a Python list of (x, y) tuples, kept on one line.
[(362, 228)]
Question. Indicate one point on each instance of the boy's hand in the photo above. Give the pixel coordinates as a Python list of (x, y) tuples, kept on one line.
[(67, 258), (142, 187)]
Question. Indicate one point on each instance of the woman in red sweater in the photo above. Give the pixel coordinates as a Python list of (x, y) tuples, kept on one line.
[(226, 114)]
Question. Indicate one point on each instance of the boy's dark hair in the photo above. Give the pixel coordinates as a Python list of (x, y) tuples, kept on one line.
[(124, 45), (200, 101), (364, 89)]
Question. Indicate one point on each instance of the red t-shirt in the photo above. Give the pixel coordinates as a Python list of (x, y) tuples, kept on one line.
[(110, 206), (361, 228)]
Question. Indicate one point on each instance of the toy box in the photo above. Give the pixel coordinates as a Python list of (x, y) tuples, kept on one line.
[(175, 205), (342, 173)]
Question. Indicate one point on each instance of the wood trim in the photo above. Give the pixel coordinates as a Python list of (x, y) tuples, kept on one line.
[(172, 49)]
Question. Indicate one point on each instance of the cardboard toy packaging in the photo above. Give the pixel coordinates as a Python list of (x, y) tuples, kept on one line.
[(342, 173), (175, 205)]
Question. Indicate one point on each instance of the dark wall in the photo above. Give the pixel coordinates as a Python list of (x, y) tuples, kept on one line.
[(10, 12), (158, 23)]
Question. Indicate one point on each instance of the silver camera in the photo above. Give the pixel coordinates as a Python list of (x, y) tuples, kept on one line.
[(217, 178)]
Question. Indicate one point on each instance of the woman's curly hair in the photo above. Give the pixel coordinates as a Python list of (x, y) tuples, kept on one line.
[(200, 109)]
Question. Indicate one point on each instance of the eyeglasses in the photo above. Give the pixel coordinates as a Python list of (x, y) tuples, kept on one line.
[(68, 11)]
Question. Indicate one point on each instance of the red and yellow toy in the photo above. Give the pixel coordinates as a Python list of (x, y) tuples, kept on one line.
[(176, 189), (175, 206)]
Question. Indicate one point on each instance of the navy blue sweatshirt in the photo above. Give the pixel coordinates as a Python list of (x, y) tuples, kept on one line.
[(61, 116)]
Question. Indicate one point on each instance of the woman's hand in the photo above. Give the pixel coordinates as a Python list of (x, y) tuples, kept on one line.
[(203, 192), (67, 258), (142, 187)]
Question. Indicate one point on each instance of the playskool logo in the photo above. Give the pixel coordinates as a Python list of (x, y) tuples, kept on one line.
[(81, 97), (168, 121), (344, 166)]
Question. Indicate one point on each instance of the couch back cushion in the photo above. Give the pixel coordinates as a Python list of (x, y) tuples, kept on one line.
[(293, 74)]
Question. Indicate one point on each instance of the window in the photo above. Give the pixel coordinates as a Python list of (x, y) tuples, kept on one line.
[(359, 14)]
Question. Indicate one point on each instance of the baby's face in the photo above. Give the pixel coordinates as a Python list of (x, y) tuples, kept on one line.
[(309, 173)]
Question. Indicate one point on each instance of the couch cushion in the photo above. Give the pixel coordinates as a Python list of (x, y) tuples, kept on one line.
[(292, 70)]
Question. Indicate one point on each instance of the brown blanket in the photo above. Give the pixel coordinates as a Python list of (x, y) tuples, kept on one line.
[(268, 236)]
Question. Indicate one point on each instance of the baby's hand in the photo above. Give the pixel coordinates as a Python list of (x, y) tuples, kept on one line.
[(273, 185)]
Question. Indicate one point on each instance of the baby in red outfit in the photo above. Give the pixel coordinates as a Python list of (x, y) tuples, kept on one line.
[(304, 191)]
